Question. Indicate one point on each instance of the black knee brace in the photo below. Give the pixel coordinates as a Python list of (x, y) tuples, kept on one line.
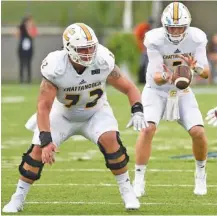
[(34, 163), (111, 156)]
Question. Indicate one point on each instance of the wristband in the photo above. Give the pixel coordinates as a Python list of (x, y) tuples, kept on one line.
[(137, 107), (164, 76), (45, 138), (198, 70)]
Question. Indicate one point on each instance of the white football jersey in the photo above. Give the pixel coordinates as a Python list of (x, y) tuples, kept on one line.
[(160, 51), (78, 96)]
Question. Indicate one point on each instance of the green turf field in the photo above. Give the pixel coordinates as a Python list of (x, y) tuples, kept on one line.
[(73, 186)]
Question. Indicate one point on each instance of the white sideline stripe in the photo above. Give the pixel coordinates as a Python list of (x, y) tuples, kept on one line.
[(111, 185), (105, 203)]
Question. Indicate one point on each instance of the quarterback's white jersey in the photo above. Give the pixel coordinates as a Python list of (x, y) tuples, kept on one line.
[(78, 96), (161, 51)]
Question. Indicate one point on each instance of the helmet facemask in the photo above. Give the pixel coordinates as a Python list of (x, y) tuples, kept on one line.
[(83, 55), (176, 34)]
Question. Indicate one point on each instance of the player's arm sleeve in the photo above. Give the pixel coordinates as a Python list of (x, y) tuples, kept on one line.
[(110, 61), (200, 55), (155, 63), (48, 69)]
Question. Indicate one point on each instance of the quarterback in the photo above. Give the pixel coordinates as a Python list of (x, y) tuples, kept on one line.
[(175, 43), (72, 100)]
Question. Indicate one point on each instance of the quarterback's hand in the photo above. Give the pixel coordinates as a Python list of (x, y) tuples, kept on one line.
[(48, 153), (189, 60), (167, 74), (212, 117)]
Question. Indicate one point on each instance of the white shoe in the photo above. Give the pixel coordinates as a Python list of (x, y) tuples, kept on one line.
[(15, 204), (139, 188), (129, 198), (200, 185)]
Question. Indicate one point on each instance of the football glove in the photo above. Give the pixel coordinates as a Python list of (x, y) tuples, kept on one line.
[(212, 117), (137, 120)]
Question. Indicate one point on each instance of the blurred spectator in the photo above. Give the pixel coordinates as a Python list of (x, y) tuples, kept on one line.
[(26, 32), (139, 32), (212, 56)]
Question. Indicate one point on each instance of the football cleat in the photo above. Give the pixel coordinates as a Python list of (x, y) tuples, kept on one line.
[(139, 188), (129, 198), (200, 185), (15, 204)]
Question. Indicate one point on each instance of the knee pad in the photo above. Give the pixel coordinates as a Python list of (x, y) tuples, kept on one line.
[(111, 156), (26, 158)]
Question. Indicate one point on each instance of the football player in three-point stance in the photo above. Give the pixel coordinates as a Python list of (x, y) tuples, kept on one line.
[(173, 44), (72, 100)]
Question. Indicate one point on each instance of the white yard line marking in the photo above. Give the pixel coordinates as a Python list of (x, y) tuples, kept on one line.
[(78, 138), (90, 203), (110, 203), (15, 99), (114, 215), (86, 155), (105, 170), (111, 185), (15, 142), (5, 147), (204, 91)]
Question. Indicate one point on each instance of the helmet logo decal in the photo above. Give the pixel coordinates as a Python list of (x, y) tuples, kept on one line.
[(168, 20), (176, 12), (86, 31), (67, 32)]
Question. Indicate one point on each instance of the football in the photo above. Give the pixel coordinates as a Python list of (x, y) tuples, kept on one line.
[(182, 77)]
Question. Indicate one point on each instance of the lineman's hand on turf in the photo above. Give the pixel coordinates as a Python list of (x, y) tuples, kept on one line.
[(48, 153)]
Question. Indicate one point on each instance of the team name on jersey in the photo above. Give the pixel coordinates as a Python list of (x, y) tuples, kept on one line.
[(83, 87), (175, 55)]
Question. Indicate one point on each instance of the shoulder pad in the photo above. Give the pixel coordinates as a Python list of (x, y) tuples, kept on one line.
[(54, 65), (197, 35), (154, 37), (105, 58)]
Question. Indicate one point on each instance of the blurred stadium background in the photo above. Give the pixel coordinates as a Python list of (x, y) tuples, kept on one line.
[(75, 184), (112, 21)]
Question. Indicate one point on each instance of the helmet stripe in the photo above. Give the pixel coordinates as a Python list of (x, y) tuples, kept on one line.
[(175, 12), (86, 31)]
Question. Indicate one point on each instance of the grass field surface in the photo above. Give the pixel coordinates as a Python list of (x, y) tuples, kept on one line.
[(79, 184)]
